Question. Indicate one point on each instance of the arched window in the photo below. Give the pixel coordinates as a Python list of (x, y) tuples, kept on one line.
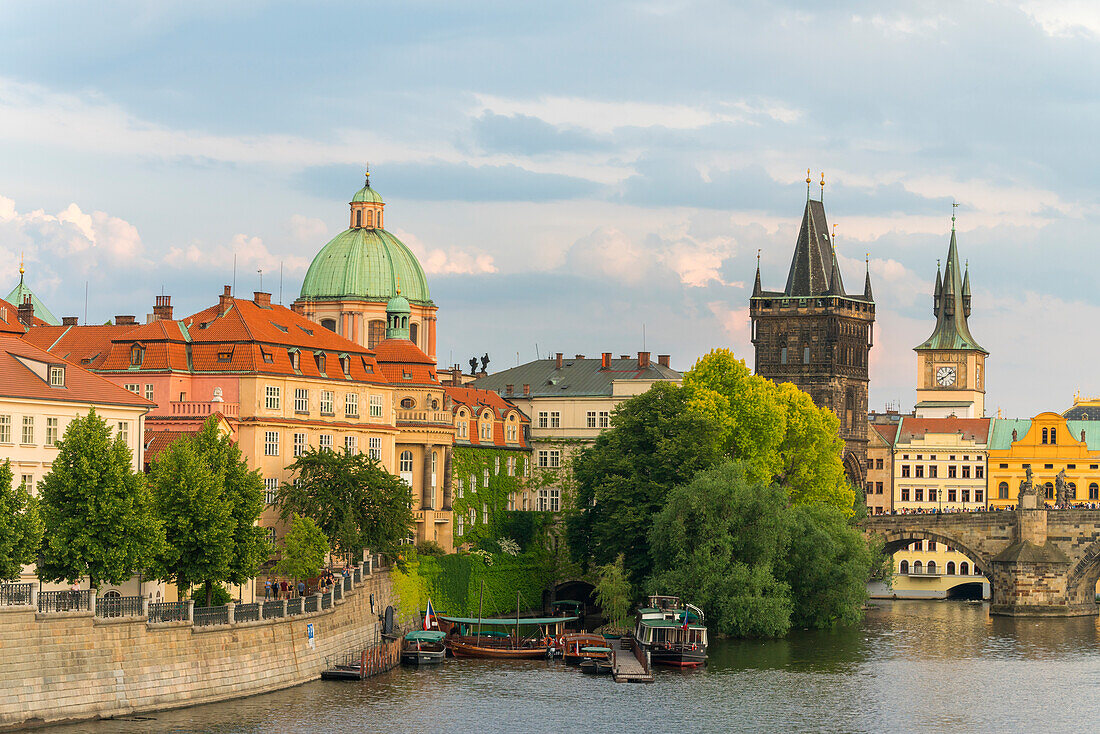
[(1002, 491), (329, 324), (404, 322), (964, 569), (1045, 435), (376, 333), (370, 219), (1049, 490), (950, 568), (1072, 487), (1094, 491), (918, 567), (358, 218), (904, 568), (931, 567), (408, 403), (413, 333), (406, 461), (1054, 435)]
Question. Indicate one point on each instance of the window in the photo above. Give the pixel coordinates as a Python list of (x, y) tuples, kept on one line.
[(28, 429), (271, 485), (918, 494), (979, 472), (605, 419), (271, 443), (966, 495), (550, 459), (374, 450), (407, 403), (543, 419), (272, 397), (134, 388), (920, 471), (473, 516), (57, 376), (511, 466), (931, 494), (51, 431), (301, 400), (878, 463), (950, 568), (327, 399), (1044, 435), (148, 392), (805, 355), (555, 500), (271, 535), (375, 406), (27, 480), (979, 495), (485, 477), (486, 429), (324, 441), (903, 568), (496, 465), (1054, 435), (905, 470), (295, 360), (351, 405), (137, 355), (461, 523), (460, 488), (904, 494), (463, 429), (512, 432), (555, 419), (351, 444), (345, 365), (964, 569), (952, 495), (966, 472), (485, 513), (878, 487), (1002, 490), (5, 429), (783, 355), (932, 471), (319, 357), (124, 431), (299, 444), (1049, 490), (1094, 491), (406, 461), (952, 472), (591, 423)]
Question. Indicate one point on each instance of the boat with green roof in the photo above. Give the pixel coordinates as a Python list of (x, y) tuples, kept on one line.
[(673, 633)]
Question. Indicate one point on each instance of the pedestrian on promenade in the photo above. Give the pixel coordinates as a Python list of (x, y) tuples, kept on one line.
[(301, 588), (267, 589), (285, 588)]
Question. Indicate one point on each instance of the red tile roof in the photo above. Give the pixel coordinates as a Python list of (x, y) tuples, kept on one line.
[(81, 386), (887, 430), (9, 319), (972, 429), (400, 357), (476, 400), (85, 345)]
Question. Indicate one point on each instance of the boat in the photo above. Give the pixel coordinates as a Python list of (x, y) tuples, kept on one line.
[(566, 607), (527, 638), (571, 645), (671, 632), (596, 661), (423, 647)]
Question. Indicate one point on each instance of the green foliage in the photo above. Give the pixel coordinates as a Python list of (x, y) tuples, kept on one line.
[(613, 593), (656, 441), (97, 508), (20, 525), (454, 584), (528, 528), (429, 548), (468, 471), (304, 549), (355, 502)]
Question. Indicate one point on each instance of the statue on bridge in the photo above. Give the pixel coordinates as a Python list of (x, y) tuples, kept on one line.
[(1028, 498), (1061, 491)]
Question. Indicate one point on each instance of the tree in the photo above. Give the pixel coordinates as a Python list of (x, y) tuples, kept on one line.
[(197, 521), (20, 525), (656, 441), (97, 508), (613, 593), (716, 543), (355, 502), (304, 549)]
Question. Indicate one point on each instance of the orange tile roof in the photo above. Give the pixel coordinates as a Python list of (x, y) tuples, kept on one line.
[(86, 345), (81, 386), (888, 431), (400, 357), (972, 429), (477, 400), (9, 319)]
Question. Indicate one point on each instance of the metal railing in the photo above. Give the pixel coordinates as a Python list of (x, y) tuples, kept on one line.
[(273, 609), (294, 606), (246, 613), (64, 601), (118, 606), (209, 616), (310, 604), (347, 583), (15, 594), (326, 601), (167, 611), (358, 575), (337, 591)]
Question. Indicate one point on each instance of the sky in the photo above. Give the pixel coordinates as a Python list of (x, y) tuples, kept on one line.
[(575, 177)]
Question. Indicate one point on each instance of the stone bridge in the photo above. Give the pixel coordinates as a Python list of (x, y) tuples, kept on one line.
[(1039, 561)]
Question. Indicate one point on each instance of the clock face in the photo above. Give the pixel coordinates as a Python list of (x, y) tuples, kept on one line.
[(945, 376)]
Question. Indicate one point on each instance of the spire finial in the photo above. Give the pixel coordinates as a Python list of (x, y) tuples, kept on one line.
[(809, 182), (367, 174), (822, 186), (937, 265), (954, 206), (867, 260), (834, 234), (758, 258), (21, 268), (399, 285)]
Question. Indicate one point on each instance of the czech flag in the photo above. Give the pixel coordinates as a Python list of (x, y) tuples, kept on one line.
[(429, 616)]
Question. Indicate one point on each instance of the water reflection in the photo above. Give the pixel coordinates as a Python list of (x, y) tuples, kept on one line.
[(911, 666)]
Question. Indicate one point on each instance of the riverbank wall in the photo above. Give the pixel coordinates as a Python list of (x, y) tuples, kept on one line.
[(68, 666)]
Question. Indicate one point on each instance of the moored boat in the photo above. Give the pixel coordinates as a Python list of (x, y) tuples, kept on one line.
[(423, 647), (572, 645), (671, 632), (529, 638), (597, 660)]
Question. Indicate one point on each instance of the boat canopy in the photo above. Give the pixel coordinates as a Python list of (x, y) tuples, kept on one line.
[(568, 603), (668, 623), (424, 636), (595, 649), (510, 622)]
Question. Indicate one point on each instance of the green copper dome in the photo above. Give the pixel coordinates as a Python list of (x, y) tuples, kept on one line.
[(365, 263), (366, 195)]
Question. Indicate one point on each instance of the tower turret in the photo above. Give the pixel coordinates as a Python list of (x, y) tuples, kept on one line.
[(397, 317)]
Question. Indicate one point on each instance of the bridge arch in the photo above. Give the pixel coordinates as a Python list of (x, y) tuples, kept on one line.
[(854, 470), (1083, 575), (897, 540)]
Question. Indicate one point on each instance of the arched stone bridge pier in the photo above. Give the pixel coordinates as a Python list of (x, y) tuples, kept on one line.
[(1040, 562)]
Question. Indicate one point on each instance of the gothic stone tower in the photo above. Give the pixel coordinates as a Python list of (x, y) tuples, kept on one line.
[(817, 336)]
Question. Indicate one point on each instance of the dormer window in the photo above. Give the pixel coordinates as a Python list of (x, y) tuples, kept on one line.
[(57, 376), (295, 359), (269, 358), (345, 365), (320, 357), (137, 355)]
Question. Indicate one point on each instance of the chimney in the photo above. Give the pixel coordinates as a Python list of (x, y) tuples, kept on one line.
[(509, 390), (26, 310), (624, 356), (579, 356), (527, 391), (163, 310), (68, 321), (557, 360), (125, 320), (643, 360), (662, 359), (226, 299), (605, 362), (261, 299), (456, 376)]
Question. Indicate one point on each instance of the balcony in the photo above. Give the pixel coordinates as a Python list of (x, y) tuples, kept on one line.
[(424, 417), (435, 516), (201, 408)]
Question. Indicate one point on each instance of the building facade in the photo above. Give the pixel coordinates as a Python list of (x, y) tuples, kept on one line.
[(879, 482), (816, 335), (1047, 445)]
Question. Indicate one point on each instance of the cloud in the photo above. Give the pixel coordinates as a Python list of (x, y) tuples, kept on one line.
[(248, 253), (1064, 18), (446, 261), (310, 231), (526, 135)]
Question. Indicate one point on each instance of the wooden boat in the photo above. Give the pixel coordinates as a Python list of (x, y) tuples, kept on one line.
[(530, 637), (571, 645), (596, 661), (671, 632), (423, 647)]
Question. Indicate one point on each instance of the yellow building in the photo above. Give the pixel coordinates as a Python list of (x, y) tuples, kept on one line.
[(1047, 444)]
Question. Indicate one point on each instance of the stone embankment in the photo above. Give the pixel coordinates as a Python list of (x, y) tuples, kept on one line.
[(72, 665)]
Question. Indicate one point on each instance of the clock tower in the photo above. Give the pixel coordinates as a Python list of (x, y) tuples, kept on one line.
[(951, 363)]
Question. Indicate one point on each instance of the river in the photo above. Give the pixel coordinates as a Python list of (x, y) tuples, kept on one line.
[(911, 666)]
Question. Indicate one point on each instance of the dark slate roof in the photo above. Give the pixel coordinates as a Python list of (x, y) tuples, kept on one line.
[(1083, 413), (951, 307), (576, 377)]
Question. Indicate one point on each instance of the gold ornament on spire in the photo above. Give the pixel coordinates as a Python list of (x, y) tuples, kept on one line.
[(21, 270), (808, 179)]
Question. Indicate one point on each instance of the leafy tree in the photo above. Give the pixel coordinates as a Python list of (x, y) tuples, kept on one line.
[(356, 503), (656, 441), (716, 543), (187, 496), (304, 549), (97, 508), (613, 593), (20, 525)]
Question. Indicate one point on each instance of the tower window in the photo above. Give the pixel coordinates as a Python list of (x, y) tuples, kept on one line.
[(783, 355), (413, 333), (805, 355), (370, 219), (1044, 435), (1054, 435), (358, 219)]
